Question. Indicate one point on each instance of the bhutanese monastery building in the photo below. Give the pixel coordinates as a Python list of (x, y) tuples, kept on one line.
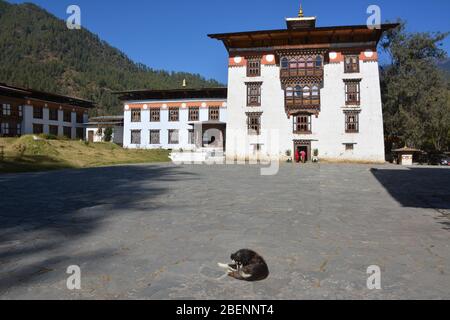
[(29, 111), (304, 88)]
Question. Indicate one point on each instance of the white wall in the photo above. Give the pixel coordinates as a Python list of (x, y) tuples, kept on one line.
[(328, 130), (117, 136), (164, 125)]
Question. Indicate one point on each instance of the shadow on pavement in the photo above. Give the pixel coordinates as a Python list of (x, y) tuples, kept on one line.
[(47, 211)]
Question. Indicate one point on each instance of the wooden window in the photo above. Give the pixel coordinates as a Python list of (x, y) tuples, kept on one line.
[(191, 136), (194, 114), (349, 146), (20, 111), (38, 128), (155, 115), (79, 133), (53, 114), (253, 67), (173, 136), (67, 116), (352, 93), (301, 66), (6, 109), (80, 117), (254, 123), (154, 137), (5, 129), (136, 115), (214, 113), (174, 114), (351, 122), (351, 63), (135, 136), (19, 129), (308, 95), (67, 132), (254, 94), (319, 62), (53, 130), (302, 123), (38, 113)]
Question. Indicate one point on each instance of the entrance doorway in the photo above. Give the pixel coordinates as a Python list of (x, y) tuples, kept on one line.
[(305, 146), (90, 136)]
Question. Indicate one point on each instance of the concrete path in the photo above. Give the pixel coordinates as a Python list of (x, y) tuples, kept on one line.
[(157, 232)]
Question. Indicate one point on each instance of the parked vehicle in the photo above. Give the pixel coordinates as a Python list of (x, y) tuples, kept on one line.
[(445, 162)]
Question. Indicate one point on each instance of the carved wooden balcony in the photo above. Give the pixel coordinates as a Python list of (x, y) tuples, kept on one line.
[(294, 105), (294, 72)]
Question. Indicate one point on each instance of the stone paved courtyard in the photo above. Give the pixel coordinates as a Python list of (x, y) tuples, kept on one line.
[(157, 232)]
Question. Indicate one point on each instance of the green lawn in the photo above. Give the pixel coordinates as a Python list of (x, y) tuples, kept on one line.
[(27, 154)]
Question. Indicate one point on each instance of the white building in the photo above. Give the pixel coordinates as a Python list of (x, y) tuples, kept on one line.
[(28, 111), (179, 119), (309, 88), (97, 127)]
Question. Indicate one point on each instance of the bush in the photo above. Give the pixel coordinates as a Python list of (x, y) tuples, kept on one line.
[(47, 136), (108, 134)]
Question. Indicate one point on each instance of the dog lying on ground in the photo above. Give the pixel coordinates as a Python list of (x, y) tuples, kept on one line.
[(247, 265)]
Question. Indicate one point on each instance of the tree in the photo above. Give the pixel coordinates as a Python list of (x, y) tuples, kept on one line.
[(415, 92), (108, 134)]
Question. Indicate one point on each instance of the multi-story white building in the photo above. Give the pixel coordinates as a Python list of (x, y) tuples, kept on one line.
[(305, 88), (187, 119), (28, 111)]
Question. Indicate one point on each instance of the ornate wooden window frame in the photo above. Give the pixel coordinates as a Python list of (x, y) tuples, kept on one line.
[(174, 114), (300, 126), (194, 113), (253, 66), (38, 112), (38, 128), (254, 123), (253, 94), (135, 115), (53, 114), (351, 63), (79, 133), (302, 65), (351, 121), (67, 132), (352, 91), (135, 137), (171, 135), (155, 115), (51, 130), (155, 136), (67, 116), (214, 113)]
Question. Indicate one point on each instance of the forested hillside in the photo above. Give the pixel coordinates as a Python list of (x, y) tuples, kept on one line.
[(38, 51)]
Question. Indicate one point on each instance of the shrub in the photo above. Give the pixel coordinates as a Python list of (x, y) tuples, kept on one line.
[(108, 134), (47, 136)]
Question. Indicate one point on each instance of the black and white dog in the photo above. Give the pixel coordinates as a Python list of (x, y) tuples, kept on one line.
[(247, 265)]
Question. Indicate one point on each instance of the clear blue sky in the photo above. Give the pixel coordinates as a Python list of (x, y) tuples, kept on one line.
[(171, 34)]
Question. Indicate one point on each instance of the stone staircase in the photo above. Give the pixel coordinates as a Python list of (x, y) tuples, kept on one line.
[(199, 156)]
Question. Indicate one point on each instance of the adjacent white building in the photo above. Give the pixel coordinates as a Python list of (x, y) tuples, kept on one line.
[(28, 111), (179, 119), (304, 88), (97, 127)]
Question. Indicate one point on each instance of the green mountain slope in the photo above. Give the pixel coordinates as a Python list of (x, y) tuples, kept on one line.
[(38, 51)]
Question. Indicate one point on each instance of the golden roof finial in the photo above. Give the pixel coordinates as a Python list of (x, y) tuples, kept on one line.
[(300, 13)]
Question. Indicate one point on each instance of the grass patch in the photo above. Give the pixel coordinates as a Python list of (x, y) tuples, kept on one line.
[(26, 154)]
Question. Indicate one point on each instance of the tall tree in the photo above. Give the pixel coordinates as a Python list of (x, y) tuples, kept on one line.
[(38, 51), (415, 91)]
